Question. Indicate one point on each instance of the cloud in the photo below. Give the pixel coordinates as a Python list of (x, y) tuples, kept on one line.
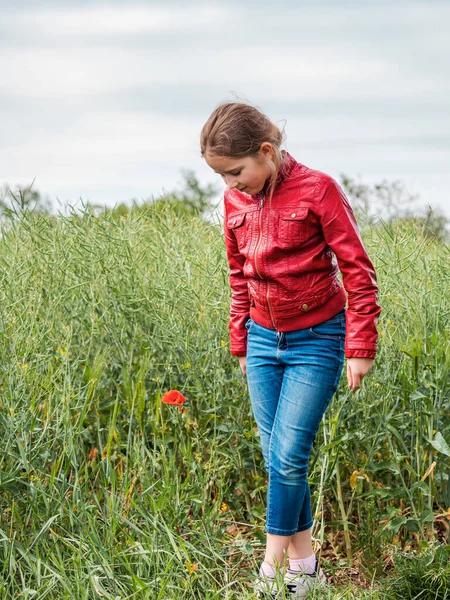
[(104, 98), (106, 20)]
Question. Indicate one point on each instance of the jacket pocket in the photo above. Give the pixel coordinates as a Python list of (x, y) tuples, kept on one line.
[(237, 223), (293, 227)]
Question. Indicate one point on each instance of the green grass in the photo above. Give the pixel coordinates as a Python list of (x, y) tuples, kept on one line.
[(106, 492)]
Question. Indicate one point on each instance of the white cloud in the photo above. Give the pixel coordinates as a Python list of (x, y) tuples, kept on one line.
[(72, 75), (109, 20), (302, 74)]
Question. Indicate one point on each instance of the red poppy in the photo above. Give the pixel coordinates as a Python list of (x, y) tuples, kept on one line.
[(174, 397)]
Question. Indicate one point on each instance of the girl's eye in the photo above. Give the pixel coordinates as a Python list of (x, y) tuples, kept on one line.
[(234, 174)]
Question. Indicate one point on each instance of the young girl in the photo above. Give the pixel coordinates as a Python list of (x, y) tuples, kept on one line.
[(285, 225)]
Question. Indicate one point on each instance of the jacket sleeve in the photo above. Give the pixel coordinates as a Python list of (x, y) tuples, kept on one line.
[(342, 236), (240, 300)]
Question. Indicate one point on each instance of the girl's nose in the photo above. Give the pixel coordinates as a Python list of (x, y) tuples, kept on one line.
[(231, 183)]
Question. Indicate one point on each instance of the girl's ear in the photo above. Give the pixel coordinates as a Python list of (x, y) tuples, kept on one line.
[(266, 150)]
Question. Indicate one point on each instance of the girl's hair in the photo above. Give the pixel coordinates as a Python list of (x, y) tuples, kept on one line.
[(237, 130)]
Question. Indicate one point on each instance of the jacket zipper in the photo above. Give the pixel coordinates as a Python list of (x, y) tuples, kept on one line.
[(261, 204)]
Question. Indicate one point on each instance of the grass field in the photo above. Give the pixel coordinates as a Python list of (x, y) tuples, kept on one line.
[(105, 492)]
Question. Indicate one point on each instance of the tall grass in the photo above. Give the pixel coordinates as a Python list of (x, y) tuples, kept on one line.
[(107, 492)]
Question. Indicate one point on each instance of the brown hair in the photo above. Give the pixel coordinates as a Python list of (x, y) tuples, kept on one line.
[(237, 130)]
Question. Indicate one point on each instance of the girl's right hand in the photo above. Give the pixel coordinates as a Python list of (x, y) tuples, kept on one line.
[(242, 364)]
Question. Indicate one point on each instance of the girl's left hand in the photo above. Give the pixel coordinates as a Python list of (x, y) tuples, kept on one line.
[(357, 368)]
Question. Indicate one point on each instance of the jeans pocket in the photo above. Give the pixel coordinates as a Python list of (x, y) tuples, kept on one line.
[(332, 329), (248, 324)]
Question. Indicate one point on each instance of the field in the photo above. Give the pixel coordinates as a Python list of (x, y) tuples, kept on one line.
[(105, 492)]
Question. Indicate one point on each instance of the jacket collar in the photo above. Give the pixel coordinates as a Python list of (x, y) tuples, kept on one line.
[(286, 168)]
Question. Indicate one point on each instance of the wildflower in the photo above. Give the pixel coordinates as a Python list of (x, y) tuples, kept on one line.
[(174, 397), (61, 353), (186, 365), (24, 367), (191, 568), (354, 476), (224, 507), (223, 343)]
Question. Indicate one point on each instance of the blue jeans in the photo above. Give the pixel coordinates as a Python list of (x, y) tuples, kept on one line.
[(291, 379)]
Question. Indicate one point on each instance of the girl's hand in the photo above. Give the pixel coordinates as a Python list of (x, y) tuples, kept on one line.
[(357, 368), (242, 364)]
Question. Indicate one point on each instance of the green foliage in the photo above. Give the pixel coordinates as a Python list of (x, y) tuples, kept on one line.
[(422, 577), (106, 491), (14, 203), (192, 199), (393, 202)]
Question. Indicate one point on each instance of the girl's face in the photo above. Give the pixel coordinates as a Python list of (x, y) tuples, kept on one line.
[(248, 174)]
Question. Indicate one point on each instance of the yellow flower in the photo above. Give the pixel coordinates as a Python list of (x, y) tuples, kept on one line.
[(353, 478), (61, 353), (224, 507), (223, 343), (191, 567), (187, 365), (24, 367)]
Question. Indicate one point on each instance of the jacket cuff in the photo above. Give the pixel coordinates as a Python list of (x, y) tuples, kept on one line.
[(238, 352), (360, 353)]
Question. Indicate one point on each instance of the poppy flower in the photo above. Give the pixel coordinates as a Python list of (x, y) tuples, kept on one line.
[(174, 397)]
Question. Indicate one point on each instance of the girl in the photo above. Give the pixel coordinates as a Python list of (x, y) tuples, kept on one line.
[(285, 225)]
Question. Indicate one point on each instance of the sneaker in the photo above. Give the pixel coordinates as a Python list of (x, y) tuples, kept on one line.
[(268, 587), (299, 584)]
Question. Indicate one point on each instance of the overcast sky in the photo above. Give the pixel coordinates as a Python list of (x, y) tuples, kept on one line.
[(105, 100)]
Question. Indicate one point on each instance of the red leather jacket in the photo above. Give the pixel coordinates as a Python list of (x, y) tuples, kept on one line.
[(282, 255)]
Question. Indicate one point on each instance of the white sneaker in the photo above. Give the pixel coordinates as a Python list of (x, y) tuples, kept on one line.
[(269, 587), (299, 583)]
